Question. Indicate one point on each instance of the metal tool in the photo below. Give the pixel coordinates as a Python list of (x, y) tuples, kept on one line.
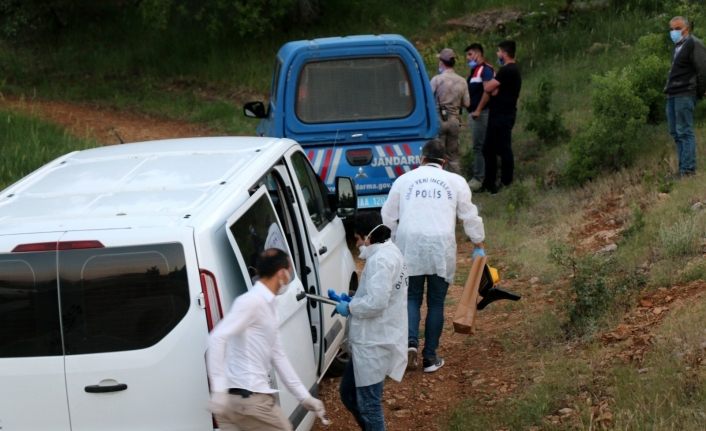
[(318, 298)]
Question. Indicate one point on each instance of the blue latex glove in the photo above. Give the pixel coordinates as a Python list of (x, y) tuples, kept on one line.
[(342, 309), (338, 298), (478, 252)]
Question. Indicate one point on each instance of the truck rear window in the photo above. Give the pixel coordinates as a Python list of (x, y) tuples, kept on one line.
[(109, 299), (354, 89)]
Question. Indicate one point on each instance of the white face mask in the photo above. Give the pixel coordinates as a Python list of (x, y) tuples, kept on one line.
[(283, 287), (364, 250)]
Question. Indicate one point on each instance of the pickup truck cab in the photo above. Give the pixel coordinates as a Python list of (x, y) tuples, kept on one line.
[(115, 263), (361, 106)]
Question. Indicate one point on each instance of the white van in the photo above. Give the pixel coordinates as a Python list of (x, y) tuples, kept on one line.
[(115, 262)]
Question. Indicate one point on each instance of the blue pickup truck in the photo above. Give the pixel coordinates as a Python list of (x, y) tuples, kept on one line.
[(361, 106)]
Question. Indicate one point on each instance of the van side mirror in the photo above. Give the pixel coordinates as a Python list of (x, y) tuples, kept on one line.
[(255, 110), (346, 197)]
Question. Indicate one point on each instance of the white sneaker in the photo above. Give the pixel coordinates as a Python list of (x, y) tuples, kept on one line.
[(430, 367), (475, 185)]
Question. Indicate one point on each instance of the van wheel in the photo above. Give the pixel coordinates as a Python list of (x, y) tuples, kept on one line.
[(339, 364)]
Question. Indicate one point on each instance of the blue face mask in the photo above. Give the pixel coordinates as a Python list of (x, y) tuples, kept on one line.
[(501, 61), (472, 64), (675, 35)]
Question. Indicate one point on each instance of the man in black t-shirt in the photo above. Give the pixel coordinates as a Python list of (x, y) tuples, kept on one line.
[(504, 91)]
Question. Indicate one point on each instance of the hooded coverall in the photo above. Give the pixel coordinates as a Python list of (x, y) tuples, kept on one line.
[(377, 334)]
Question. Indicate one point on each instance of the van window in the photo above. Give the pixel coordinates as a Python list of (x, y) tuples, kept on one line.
[(257, 230), (354, 89), (29, 305), (314, 191), (121, 298)]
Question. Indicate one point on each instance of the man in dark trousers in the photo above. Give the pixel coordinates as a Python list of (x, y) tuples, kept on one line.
[(504, 91), (687, 75)]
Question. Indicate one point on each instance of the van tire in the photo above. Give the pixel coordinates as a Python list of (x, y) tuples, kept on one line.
[(339, 364)]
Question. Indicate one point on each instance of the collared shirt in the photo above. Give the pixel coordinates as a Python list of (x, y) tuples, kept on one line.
[(421, 210), (245, 345), (450, 91)]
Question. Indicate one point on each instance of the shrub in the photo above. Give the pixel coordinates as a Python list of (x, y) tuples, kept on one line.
[(518, 197), (592, 294), (611, 140), (547, 125), (648, 75)]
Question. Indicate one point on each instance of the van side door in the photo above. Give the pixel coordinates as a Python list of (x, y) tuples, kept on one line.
[(253, 228), (32, 385), (334, 262)]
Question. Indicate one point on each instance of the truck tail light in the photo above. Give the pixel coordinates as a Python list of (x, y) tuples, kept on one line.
[(209, 287), (359, 157), (54, 246)]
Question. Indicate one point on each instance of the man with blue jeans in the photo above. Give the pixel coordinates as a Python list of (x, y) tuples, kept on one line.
[(686, 81), (421, 209), (481, 74), (377, 327)]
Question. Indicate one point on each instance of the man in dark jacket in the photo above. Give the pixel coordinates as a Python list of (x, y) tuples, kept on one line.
[(685, 84)]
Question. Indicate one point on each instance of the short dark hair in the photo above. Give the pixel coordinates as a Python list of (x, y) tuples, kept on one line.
[(270, 261), (508, 46), (450, 63), (475, 47), (366, 221), (435, 150)]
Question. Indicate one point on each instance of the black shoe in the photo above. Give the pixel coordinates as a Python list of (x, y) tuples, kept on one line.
[(432, 365), (412, 361)]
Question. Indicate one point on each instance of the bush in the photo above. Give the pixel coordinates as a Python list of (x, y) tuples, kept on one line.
[(518, 197), (592, 294), (648, 75), (611, 140), (221, 18), (547, 125)]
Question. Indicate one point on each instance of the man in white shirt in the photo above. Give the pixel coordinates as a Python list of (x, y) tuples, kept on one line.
[(244, 346), (421, 210)]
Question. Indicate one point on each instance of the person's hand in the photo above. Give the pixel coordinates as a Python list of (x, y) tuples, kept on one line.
[(315, 405), (478, 252), (342, 309), (475, 114), (338, 298), (219, 403)]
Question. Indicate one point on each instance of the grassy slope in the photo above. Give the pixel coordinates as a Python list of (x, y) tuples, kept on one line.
[(209, 86)]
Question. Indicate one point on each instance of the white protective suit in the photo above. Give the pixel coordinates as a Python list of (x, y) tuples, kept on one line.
[(421, 211), (377, 333)]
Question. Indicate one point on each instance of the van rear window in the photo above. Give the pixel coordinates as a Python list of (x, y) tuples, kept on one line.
[(354, 89), (121, 298), (109, 299), (29, 305)]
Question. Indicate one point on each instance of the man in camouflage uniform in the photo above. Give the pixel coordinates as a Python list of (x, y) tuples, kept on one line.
[(451, 93)]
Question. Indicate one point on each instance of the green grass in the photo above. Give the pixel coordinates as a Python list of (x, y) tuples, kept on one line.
[(179, 74), (28, 143), (670, 393)]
